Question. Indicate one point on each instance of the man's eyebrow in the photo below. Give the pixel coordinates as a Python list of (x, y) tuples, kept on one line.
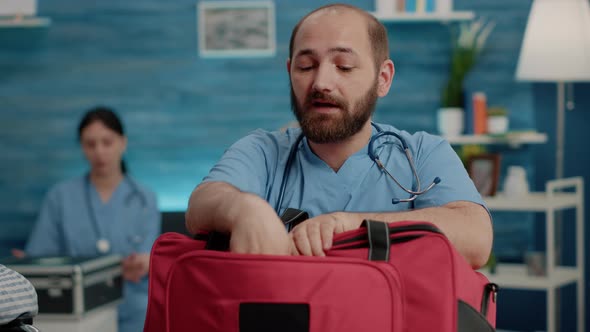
[(308, 51), (342, 50)]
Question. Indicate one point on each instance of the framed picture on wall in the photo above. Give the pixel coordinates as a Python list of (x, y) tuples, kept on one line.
[(484, 170), (236, 28)]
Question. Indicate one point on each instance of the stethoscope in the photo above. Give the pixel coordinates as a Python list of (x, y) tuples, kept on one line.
[(380, 133), (102, 244)]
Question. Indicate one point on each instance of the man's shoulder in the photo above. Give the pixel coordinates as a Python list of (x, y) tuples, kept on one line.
[(418, 138), (265, 139), (7, 274)]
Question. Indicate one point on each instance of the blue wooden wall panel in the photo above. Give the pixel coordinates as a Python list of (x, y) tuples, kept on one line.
[(181, 111)]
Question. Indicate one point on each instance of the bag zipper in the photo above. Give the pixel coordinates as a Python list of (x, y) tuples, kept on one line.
[(397, 240), (492, 289), (394, 230)]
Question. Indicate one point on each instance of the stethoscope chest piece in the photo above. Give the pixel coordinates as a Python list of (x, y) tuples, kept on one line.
[(103, 246)]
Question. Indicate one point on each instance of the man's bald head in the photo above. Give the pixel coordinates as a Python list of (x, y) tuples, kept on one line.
[(375, 30)]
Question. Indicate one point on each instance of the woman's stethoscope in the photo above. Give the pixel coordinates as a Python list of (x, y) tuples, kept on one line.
[(380, 133), (102, 244)]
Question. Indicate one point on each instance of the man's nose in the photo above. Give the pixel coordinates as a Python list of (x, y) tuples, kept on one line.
[(325, 78)]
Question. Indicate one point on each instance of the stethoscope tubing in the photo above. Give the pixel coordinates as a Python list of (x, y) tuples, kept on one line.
[(288, 165), (91, 212), (380, 133)]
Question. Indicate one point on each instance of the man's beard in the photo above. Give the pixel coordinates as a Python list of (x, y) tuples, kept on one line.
[(333, 128)]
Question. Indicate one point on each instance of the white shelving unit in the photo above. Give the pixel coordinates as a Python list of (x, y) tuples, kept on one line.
[(552, 200), (425, 17), (512, 139), (24, 22)]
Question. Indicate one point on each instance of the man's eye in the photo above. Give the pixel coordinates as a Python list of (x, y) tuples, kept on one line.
[(345, 68), (305, 68)]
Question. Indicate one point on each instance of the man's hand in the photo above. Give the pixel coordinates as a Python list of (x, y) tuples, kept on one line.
[(135, 267), (257, 229), (260, 236), (313, 236), (254, 225)]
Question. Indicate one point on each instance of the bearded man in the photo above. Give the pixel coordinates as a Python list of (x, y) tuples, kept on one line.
[(339, 166)]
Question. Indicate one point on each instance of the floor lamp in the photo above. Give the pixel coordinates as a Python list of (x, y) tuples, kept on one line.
[(556, 48)]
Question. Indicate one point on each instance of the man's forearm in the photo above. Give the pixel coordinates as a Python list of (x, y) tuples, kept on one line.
[(210, 207), (254, 225), (467, 225)]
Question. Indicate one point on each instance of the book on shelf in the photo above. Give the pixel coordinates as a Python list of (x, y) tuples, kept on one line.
[(390, 7), (400, 6), (416, 6), (430, 6)]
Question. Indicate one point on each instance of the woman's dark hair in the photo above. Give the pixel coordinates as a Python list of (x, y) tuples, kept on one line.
[(107, 117)]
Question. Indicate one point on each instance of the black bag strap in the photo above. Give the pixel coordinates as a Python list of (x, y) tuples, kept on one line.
[(217, 241), (379, 240)]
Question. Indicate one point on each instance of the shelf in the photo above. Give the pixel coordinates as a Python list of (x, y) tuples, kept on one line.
[(513, 139), (24, 22), (515, 276), (558, 194), (425, 17), (535, 202)]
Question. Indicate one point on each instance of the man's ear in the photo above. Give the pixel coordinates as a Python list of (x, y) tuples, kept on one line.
[(385, 77), (289, 66)]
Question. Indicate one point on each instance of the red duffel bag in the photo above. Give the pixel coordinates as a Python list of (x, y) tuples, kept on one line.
[(404, 276)]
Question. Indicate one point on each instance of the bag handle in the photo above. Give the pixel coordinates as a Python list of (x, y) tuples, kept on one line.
[(379, 235), (379, 239)]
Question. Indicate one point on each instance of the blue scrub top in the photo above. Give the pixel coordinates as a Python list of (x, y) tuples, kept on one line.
[(256, 164), (130, 221)]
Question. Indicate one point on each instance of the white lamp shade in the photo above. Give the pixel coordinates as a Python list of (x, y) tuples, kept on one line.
[(556, 45)]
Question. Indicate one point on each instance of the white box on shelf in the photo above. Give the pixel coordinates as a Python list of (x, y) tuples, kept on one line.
[(385, 7), (18, 7), (444, 6)]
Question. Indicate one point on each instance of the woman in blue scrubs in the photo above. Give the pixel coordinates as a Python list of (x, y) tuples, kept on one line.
[(102, 212)]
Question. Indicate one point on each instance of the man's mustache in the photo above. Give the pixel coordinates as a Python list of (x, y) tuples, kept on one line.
[(325, 98)]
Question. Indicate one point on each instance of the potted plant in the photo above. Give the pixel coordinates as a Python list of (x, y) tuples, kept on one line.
[(467, 44), (497, 120)]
